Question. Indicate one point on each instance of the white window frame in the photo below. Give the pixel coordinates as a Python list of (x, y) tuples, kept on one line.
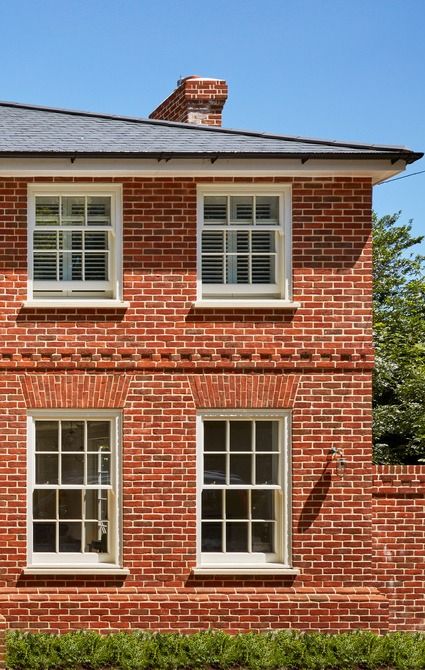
[(241, 562), (242, 295), (115, 262), (70, 562)]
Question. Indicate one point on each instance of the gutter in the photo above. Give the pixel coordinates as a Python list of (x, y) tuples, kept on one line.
[(404, 155)]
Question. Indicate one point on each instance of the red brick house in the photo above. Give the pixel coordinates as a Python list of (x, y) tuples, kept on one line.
[(186, 364)]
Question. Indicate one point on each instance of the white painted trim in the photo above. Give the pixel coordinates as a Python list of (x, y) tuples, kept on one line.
[(378, 170), (217, 562), (65, 303), (63, 563), (75, 570), (247, 303), (270, 569)]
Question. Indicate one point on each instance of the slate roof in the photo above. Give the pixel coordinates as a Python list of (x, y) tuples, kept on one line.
[(27, 130)]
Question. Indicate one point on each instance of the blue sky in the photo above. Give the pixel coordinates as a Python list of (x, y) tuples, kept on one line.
[(319, 68)]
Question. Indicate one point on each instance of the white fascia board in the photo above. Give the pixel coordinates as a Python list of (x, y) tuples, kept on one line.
[(378, 170)]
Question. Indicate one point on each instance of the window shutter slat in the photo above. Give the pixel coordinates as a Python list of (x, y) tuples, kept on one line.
[(212, 269), (215, 209), (212, 242), (45, 266), (263, 241), (263, 270), (96, 266)]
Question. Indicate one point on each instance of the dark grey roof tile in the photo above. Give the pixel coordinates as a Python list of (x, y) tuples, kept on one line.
[(26, 129)]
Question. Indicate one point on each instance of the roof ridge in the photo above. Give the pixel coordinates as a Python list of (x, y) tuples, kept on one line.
[(199, 127)]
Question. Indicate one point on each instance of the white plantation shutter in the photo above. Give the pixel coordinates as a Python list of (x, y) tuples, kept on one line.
[(241, 244), (72, 243), (263, 245)]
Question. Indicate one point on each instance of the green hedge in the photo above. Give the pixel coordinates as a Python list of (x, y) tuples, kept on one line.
[(217, 650)]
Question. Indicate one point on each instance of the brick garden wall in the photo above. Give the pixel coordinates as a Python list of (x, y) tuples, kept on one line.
[(158, 360), (399, 542)]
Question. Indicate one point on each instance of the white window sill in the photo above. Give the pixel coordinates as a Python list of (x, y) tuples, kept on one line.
[(75, 570), (270, 569), (66, 304), (233, 303)]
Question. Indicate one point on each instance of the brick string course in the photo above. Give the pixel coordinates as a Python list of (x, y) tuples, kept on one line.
[(160, 360)]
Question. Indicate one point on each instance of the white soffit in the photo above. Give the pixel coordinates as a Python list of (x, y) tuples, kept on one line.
[(378, 170)]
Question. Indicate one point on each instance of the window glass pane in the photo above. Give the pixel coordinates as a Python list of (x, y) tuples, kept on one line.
[(214, 436), (73, 241), (72, 469), (47, 210), (96, 504), (45, 241), (262, 241), (76, 268), (72, 436), (213, 269), (262, 505), (46, 469), (241, 209), (262, 537), (236, 536), (44, 537), (212, 257), (45, 266), (96, 267), (73, 210), (236, 504), (215, 469), (99, 211), (267, 436), (212, 241), (238, 271), (44, 504), (98, 469), (263, 270), (212, 537), (240, 435), (267, 469), (237, 242), (98, 435), (215, 209), (70, 536), (96, 537), (267, 209), (240, 469), (46, 435), (212, 504), (70, 504), (96, 241)]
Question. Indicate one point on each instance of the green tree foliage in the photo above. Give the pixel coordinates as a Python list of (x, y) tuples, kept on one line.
[(399, 334)]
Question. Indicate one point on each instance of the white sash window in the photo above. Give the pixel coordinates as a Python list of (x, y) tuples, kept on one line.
[(73, 489), (243, 489), (244, 242), (74, 239)]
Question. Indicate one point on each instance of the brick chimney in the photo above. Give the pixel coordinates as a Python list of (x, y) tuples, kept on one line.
[(195, 100)]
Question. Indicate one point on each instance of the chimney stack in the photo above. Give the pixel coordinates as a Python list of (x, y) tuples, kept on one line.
[(195, 100)]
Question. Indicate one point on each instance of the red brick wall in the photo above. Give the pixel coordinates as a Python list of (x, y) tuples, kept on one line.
[(156, 350), (399, 542)]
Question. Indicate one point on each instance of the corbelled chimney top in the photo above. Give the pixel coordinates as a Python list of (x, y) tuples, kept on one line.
[(195, 100)]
